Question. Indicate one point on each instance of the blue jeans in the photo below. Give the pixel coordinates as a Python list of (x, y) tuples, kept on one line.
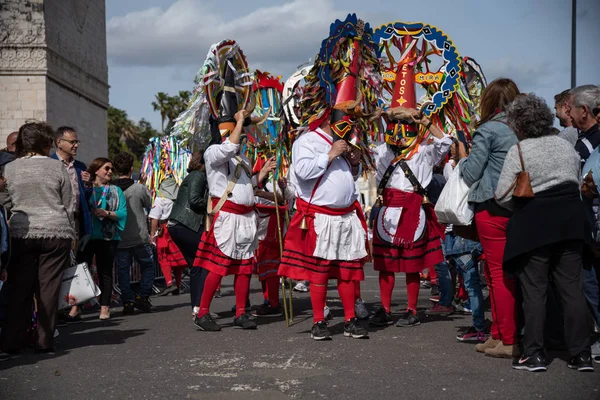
[(445, 283), (467, 268), (124, 259)]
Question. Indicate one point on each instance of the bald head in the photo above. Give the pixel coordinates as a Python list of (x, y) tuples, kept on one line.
[(11, 141)]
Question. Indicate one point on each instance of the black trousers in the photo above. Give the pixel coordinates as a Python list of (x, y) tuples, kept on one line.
[(563, 262), (104, 251), (187, 240), (36, 268)]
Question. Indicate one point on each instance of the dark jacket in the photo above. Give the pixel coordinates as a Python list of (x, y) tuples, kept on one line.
[(85, 218), (5, 158), (552, 216), (189, 208)]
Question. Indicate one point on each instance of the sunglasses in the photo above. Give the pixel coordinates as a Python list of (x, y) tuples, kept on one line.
[(596, 111), (71, 142), (108, 169)]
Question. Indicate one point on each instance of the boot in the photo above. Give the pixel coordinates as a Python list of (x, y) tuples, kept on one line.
[(504, 351), (489, 344)]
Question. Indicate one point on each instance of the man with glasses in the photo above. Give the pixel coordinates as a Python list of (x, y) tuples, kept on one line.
[(67, 145)]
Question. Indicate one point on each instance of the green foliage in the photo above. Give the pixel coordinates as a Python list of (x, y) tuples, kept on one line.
[(126, 135)]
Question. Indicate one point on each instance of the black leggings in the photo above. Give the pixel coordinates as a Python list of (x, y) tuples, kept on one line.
[(187, 240), (104, 251)]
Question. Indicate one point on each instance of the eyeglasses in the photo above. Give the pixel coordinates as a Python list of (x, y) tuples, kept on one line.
[(71, 142), (108, 169), (596, 111)]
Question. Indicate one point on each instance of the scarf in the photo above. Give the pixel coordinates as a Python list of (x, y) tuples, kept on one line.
[(110, 198)]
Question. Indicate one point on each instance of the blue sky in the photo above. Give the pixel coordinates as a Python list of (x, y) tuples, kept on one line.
[(158, 45)]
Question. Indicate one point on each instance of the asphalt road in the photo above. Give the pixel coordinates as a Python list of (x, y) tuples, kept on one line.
[(162, 355)]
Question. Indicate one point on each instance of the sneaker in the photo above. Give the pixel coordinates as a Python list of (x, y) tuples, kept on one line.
[(582, 362), (244, 321), (129, 308), (168, 290), (435, 299), (144, 304), (300, 287), (535, 363), (381, 318), (435, 290), (267, 311), (360, 309), (408, 319), (596, 352), (176, 292), (327, 313), (354, 330), (206, 323), (319, 331), (472, 335), (439, 309)]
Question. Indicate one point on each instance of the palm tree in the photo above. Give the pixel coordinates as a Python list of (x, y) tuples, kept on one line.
[(161, 105)]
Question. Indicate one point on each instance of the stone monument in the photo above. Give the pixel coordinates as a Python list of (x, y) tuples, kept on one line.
[(53, 68)]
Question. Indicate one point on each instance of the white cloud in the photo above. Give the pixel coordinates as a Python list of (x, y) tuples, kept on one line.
[(280, 36)]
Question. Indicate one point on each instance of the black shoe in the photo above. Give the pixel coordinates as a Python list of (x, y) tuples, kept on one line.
[(4, 356), (245, 322), (435, 290), (582, 362), (408, 319), (50, 351), (354, 330), (207, 323), (73, 319), (168, 290), (319, 331), (61, 320), (129, 308), (535, 363), (381, 318), (176, 292), (267, 311), (143, 304)]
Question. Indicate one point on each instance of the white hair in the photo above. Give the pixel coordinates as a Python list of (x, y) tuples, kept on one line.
[(585, 96)]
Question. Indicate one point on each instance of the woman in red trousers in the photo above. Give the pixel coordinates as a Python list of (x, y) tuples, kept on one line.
[(481, 171)]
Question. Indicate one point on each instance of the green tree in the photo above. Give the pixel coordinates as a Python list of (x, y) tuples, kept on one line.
[(162, 106)]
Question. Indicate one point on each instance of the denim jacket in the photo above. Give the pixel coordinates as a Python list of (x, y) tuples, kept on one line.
[(481, 170)]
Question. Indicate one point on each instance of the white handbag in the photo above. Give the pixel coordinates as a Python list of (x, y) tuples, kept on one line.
[(77, 286), (453, 206)]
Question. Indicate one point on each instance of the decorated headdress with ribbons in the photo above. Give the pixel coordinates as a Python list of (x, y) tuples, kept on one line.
[(165, 157), (416, 53), (267, 137), (344, 84), (223, 87), (292, 93)]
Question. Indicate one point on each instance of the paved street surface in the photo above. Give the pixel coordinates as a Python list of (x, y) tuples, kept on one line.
[(162, 355)]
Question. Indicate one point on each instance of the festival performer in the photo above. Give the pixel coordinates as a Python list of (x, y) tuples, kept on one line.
[(228, 246), (327, 236), (170, 258), (268, 254), (407, 235)]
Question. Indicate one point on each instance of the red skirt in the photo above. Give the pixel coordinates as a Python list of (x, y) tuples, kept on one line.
[(415, 257), (268, 255), (298, 262), (210, 257), (168, 252)]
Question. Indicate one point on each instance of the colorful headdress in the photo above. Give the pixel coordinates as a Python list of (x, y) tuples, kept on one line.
[(223, 87), (345, 83), (414, 45), (292, 93)]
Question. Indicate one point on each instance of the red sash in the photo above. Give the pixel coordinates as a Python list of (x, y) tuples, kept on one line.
[(231, 207)]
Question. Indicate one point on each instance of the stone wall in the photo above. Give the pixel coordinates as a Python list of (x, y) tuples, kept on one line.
[(53, 67)]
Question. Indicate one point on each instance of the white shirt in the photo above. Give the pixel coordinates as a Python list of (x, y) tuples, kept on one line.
[(161, 209), (310, 160), (235, 234), (220, 165), (421, 164)]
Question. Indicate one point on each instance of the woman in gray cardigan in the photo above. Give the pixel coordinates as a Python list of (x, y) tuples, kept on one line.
[(546, 233), (481, 171), (42, 228)]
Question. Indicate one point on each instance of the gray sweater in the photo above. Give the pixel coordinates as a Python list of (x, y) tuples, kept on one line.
[(550, 161), (42, 198), (136, 229)]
